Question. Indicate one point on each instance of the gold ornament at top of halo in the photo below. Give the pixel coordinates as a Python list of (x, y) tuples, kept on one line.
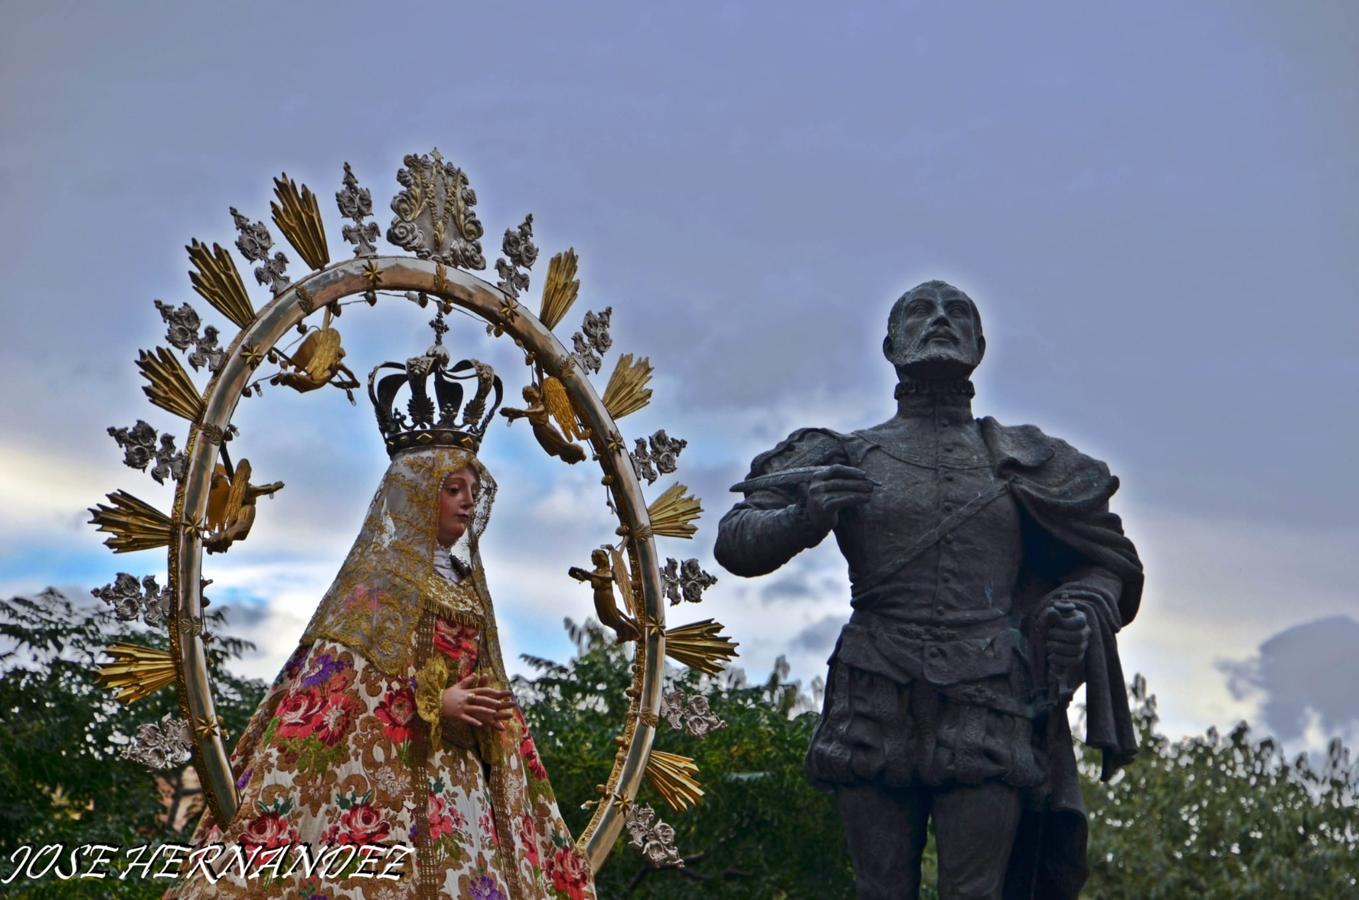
[(373, 274)]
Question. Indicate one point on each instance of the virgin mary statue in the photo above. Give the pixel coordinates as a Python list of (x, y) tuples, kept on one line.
[(391, 724)]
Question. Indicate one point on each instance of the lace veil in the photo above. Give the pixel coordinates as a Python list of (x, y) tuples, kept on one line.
[(388, 580)]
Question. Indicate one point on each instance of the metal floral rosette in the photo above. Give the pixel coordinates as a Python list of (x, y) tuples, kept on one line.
[(293, 341)]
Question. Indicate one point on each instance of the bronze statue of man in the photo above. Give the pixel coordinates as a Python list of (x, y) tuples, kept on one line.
[(989, 581)]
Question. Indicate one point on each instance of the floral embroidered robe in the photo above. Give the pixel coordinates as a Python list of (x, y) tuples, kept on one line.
[(342, 753)]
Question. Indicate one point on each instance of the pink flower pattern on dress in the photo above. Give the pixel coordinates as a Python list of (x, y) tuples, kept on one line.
[(458, 643), (335, 718), (569, 872), (299, 713), (360, 824), (396, 711), (333, 771), (266, 831), (527, 834), (529, 752), (440, 822)]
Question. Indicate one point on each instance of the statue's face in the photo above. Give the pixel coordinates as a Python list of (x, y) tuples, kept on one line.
[(933, 332), (457, 502)]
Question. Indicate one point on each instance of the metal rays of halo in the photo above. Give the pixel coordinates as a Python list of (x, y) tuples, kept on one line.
[(215, 502)]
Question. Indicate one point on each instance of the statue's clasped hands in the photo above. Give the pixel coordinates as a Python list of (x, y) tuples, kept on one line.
[(472, 702), (834, 489)]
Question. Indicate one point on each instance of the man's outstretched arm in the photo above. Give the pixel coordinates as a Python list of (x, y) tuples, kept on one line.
[(763, 532), (772, 525)]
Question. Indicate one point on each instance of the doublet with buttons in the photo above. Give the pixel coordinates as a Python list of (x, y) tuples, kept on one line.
[(925, 682), (930, 463)]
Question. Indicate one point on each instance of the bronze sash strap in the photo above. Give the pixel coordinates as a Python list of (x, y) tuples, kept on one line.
[(931, 537)]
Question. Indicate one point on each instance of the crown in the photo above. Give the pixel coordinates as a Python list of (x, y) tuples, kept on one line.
[(443, 420)]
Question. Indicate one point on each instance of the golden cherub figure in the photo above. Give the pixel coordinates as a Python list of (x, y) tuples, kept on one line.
[(316, 362), (231, 506), (603, 578), (546, 404)]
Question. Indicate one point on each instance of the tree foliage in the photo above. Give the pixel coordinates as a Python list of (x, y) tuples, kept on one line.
[(1222, 816), (61, 778)]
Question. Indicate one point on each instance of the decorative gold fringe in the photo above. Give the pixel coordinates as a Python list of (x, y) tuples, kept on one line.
[(218, 282), (558, 404), (299, 218), (700, 646), (672, 775), (136, 671), (171, 388), (135, 524), (627, 390), (560, 289), (673, 513)]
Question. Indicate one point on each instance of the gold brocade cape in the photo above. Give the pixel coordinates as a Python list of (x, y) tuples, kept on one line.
[(388, 580), (385, 597)]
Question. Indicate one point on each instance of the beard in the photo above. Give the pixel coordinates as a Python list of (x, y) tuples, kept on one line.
[(937, 360)]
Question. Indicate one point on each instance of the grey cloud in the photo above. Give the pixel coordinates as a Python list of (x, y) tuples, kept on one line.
[(1308, 668), (819, 637), (809, 576), (789, 586), (243, 615)]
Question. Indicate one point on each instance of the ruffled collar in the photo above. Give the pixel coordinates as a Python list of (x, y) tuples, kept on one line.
[(950, 400)]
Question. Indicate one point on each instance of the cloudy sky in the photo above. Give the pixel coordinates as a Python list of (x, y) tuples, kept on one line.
[(1156, 209)]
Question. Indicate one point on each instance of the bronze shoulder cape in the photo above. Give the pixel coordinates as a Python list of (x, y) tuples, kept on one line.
[(1071, 540)]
